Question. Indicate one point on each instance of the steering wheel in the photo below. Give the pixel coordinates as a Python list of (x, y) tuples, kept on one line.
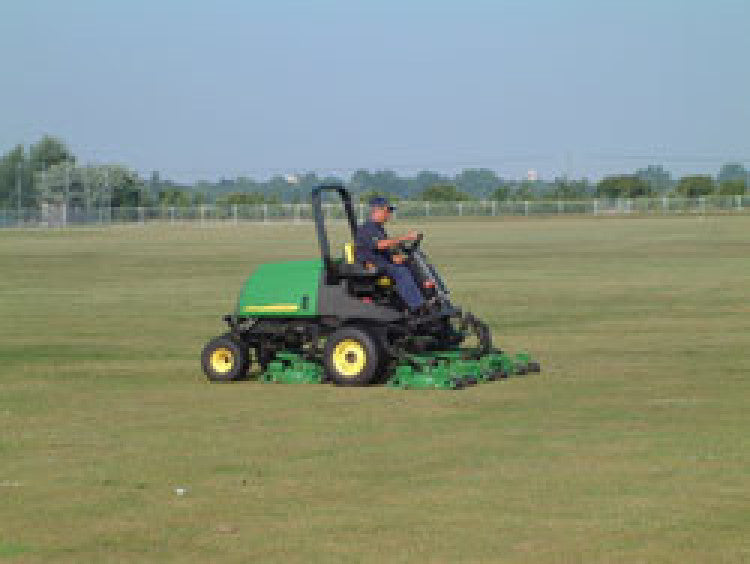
[(408, 247)]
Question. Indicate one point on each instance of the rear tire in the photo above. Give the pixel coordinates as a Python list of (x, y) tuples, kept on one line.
[(352, 357), (225, 359)]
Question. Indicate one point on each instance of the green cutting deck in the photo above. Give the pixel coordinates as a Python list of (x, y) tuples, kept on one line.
[(441, 370)]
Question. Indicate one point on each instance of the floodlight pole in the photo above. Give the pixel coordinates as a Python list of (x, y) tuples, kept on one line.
[(19, 171), (108, 194), (67, 190), (83, 179)]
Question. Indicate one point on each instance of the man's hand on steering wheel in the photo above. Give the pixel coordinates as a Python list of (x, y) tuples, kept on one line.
[(408, 246)]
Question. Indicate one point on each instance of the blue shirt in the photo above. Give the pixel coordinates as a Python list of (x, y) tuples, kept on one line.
[(366, 241)]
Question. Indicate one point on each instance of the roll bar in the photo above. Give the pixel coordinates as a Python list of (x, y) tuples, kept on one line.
[(320, 227)]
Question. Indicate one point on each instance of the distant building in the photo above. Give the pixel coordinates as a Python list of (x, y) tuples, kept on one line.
[(67, 193)]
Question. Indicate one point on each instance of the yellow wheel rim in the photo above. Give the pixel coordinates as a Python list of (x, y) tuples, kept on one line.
[(349, 358), (222, 360)]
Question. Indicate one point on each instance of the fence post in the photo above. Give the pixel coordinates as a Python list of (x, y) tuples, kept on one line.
[(141, 215), (628, 206), (265, 213), (171, 215), (596, 206), (234, 213), (526, 207), (665, 204), (559, 206), (494, 208), (738, 202), (203, 214), (460, 209), (702, 202), (65, 214), (427, 208)]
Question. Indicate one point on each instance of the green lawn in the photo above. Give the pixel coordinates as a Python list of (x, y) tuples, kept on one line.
[(631, 446)]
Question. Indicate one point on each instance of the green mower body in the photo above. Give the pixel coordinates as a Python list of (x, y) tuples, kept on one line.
[(282, 289)]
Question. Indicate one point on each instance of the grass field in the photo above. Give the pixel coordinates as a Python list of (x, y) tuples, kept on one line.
[(631, 446)]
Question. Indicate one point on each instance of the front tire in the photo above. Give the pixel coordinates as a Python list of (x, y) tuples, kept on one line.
[(225, 359), (352, 357)]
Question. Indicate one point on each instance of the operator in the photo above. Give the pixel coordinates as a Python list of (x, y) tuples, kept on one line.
[(374, 246)]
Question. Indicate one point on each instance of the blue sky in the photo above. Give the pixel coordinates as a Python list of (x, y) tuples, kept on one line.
[(204, 89)]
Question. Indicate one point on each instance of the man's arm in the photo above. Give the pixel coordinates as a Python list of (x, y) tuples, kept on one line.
[(384, 244)]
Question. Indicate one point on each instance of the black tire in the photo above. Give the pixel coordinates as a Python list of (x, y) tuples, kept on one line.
[(225, 359), (352, 357)]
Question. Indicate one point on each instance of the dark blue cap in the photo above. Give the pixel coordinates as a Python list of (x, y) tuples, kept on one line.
[(381, 202)]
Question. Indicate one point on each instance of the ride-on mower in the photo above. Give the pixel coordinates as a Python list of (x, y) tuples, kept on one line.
[(340, 320)]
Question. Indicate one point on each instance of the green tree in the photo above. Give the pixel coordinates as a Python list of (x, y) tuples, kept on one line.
[(385, 181), (16, 165), (246, 198), (127, 188), (736, 187), (658, 179), (369, 194), (732, 171), (47, 152), (477, 181), (12, 165), (525, 191), (423, 180), (174, 197), (443, 193), (622, 186), (564, 189), (696, 185), (500, 193)]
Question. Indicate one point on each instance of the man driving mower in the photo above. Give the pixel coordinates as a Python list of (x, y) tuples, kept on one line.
[(373, 246)]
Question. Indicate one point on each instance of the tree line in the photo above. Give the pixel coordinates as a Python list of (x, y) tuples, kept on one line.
[(48, 169)]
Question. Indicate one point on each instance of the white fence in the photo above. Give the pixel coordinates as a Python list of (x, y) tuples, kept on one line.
[(62, 216)]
